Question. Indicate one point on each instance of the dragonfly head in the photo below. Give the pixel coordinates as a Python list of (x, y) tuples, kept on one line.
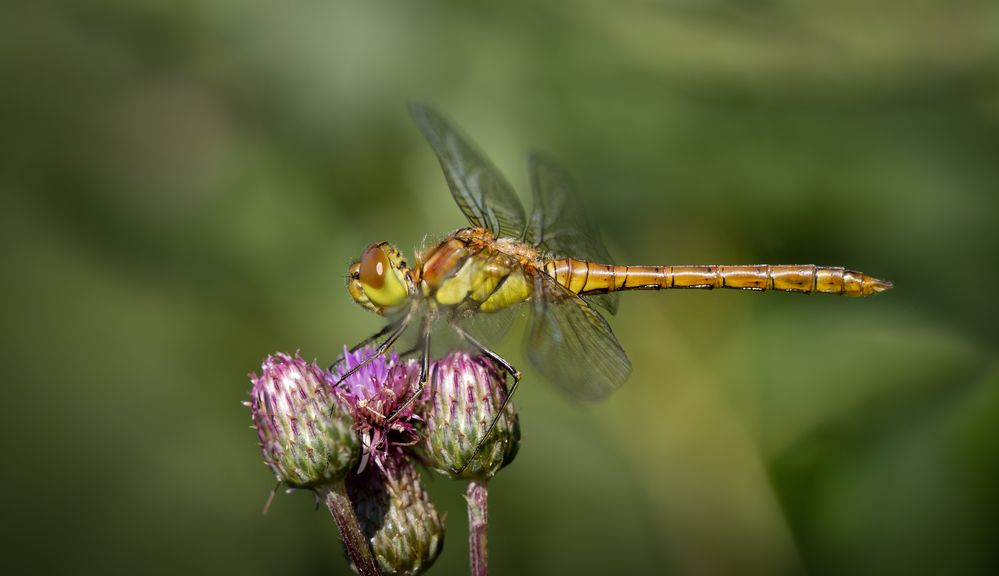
[(380, 281)]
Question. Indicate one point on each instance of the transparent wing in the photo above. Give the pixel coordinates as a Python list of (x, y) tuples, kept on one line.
[(559, 224), (572, 344), (481, 192), (490, 328)]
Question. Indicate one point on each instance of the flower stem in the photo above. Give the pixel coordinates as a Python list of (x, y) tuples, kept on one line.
[(335, 496), (478, 521)]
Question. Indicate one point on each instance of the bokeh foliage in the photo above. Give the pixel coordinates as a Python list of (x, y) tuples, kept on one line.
[(183, 184)]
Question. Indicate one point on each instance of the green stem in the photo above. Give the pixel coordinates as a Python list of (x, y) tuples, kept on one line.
[(478, 520), (335, 496)]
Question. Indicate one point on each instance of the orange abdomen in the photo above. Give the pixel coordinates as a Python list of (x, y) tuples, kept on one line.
[(582, 277)]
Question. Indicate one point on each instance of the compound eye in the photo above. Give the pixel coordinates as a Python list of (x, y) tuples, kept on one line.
[(374, 266)]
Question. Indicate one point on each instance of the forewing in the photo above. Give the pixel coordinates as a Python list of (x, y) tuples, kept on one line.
[(481, 192), (559, 224), (572, 344)]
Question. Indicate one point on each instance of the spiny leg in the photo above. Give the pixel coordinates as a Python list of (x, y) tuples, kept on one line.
[(385, 330), (513, 372), (424, 346), (482, 440), (382, 348)]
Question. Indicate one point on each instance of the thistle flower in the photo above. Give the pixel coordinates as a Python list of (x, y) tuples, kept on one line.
[(374, 393), (306, 434), (396, 514), (308, 440), (467, 393)]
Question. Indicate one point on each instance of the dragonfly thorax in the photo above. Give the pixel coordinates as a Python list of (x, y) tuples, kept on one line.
[(475, 270)]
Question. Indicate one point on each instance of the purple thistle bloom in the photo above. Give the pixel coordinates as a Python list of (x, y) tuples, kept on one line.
[(306, 434), (374, 393)]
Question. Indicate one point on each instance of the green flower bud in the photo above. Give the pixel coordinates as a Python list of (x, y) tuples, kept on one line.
[(306, 433), (396, 515), (466, 394)]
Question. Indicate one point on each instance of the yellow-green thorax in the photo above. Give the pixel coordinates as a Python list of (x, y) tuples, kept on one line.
[(473, 268)]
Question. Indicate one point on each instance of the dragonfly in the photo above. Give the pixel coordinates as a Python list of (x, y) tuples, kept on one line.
[(553, 263)]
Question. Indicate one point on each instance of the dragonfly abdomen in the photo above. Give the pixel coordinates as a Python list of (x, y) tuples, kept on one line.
[(582, 277)]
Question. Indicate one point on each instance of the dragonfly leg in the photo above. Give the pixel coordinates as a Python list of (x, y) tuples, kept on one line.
[(385, 330), (424, 346), (381, 349), (513, 372), (485, 435)]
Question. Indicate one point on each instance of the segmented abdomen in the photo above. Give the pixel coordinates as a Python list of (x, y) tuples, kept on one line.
[(582, 277)]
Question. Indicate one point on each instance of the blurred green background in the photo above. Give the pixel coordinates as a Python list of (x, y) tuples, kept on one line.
[(184, 183)]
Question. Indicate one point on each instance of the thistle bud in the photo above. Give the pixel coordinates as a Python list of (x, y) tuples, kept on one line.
[(467, 393), (397, 516), (306, 433)]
